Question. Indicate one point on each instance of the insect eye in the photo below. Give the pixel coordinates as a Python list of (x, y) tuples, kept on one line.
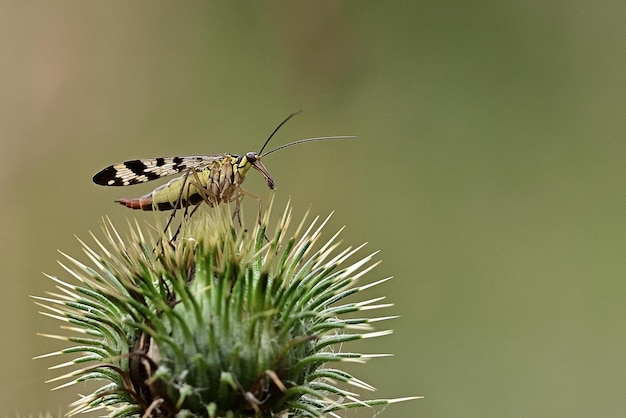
[(251, 156)]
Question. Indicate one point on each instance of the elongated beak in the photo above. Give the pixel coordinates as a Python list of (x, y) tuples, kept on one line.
[(259, 166)]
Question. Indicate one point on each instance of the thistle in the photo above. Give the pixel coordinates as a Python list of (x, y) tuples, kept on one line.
[(221, 322)]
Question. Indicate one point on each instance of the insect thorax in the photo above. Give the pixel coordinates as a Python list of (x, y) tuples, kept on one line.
[(225, 176)]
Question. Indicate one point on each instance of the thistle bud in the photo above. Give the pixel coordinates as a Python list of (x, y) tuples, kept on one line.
[(220, 322)]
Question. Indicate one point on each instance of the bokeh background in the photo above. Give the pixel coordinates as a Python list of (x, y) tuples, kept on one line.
[(489, 170)]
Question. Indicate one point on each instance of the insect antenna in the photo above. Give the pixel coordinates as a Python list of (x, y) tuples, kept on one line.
[(302, 141), (277, 128)]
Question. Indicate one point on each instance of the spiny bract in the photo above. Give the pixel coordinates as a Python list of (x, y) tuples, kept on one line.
[(222, 322)]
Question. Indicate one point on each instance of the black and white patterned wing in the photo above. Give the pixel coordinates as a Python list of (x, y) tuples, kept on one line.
[(141, 171)]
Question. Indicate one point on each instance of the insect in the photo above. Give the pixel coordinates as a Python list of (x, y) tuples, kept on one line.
[(210, 178)]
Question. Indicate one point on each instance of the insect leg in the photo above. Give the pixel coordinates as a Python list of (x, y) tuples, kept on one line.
[(241, 193), (203, 191), (206, 196), (187, 214), (179, 201)]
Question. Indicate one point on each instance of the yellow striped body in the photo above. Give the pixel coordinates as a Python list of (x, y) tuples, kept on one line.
[(219, 181)]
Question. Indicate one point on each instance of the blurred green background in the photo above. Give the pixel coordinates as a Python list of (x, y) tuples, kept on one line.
[(489, 171)]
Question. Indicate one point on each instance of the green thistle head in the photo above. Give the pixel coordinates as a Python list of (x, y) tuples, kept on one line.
[(221, 322)]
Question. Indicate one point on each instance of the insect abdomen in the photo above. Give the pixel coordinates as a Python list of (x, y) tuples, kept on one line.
[(169, 195), (144, 202), (147, 202)]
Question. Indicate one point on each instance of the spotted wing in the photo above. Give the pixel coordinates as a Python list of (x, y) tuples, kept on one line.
[(141, 171)]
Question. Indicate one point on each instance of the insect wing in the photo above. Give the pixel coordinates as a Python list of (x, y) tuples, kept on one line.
[(141, 171)]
